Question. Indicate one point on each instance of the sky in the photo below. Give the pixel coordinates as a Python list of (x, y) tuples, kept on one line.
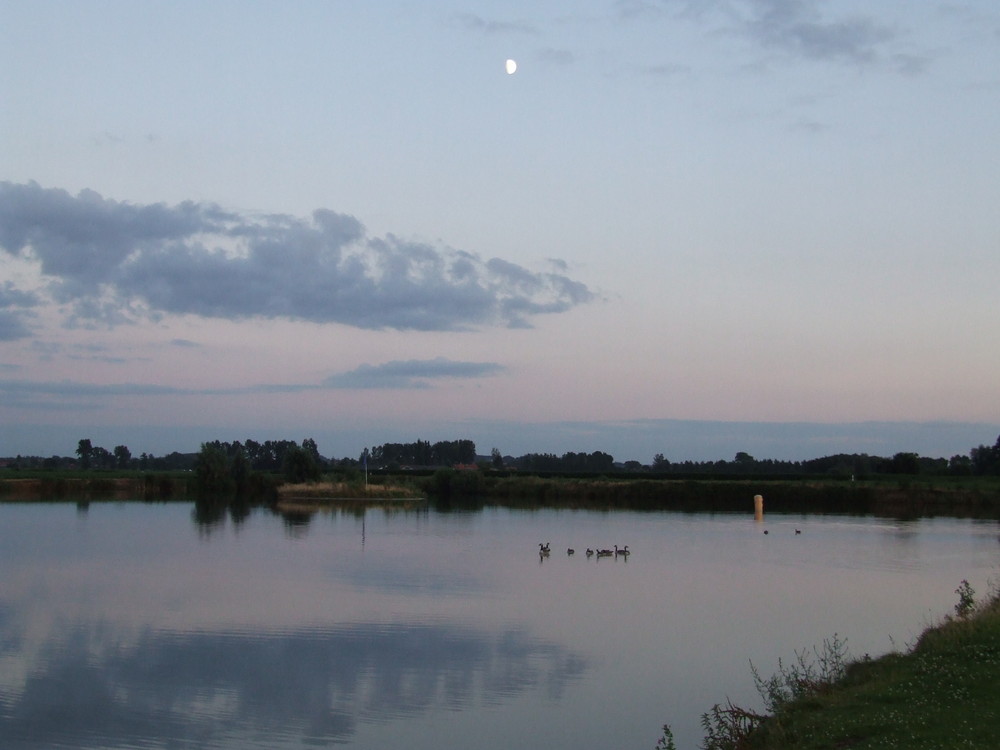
[(680, 227)]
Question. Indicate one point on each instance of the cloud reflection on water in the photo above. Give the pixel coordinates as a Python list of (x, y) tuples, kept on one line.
[(92, 687)]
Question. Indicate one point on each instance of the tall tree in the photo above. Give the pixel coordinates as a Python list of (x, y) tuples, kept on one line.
[(122, 456), (211, 471), (310, 447), (85, 450), (986, 459), (904, 463), (298, 465)]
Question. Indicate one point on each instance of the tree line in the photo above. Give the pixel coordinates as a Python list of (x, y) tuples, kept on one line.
[(981, 461), (303, 461), (421, 453), (232, 468)]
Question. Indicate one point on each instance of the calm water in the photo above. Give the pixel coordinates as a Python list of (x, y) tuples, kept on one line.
[(125, 625)]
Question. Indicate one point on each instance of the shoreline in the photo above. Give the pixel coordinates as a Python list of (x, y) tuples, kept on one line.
[(941, 692), (911, 498)]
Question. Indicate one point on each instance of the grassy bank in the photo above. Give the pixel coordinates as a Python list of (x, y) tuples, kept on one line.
[(943, 693)]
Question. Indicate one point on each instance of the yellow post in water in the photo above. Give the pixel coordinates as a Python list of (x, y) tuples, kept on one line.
[(758, 507)]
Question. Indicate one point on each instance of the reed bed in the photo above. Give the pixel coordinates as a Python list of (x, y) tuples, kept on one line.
[(320, 491)]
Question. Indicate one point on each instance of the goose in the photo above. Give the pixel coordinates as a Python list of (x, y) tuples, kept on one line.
[(622, 551), (570, 551), (544, 547), (798, 531), (605, 552), (590, 552)]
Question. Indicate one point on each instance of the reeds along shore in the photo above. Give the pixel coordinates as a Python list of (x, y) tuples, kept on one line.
[(895, 499), (898, 499), (341, 490), (144, 487)]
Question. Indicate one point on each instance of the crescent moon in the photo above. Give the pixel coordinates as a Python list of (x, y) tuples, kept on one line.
[(511, 67)]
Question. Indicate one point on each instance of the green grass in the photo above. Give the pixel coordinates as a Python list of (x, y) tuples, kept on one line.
[(943, 693)]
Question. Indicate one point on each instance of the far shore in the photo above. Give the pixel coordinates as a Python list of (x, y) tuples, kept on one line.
[(903, 497)]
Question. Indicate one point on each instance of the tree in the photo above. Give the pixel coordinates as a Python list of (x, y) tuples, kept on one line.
[(496, 459), (239, 471), (986, 459), (84, 450), (960, 465), (299, 466), (905, 463), (102, 458), (211, 471), (660, 463), (122, 456), (310, 447)]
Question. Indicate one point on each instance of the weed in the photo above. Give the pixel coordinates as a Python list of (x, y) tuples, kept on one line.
[(666, 742), (729, 728), (806, 676), (941, 693), (966, 599)]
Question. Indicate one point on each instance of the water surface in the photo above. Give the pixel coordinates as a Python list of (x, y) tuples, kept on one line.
[(130, 625)]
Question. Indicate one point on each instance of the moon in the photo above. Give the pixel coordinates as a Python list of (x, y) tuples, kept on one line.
[(511, 67)]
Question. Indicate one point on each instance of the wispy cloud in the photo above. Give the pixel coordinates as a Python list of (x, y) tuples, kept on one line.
[(474, 22), (72, 388), (116, 261), (413, 373), (14, 312), (397, 374), (556, 56), (800, 28)]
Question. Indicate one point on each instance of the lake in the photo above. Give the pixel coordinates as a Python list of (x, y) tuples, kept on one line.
[(133, 625)]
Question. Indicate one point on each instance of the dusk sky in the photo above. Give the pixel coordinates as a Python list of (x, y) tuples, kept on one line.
[(681, 227)]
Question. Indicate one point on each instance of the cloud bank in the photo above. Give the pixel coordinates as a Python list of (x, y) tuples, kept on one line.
[(118, 262)]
